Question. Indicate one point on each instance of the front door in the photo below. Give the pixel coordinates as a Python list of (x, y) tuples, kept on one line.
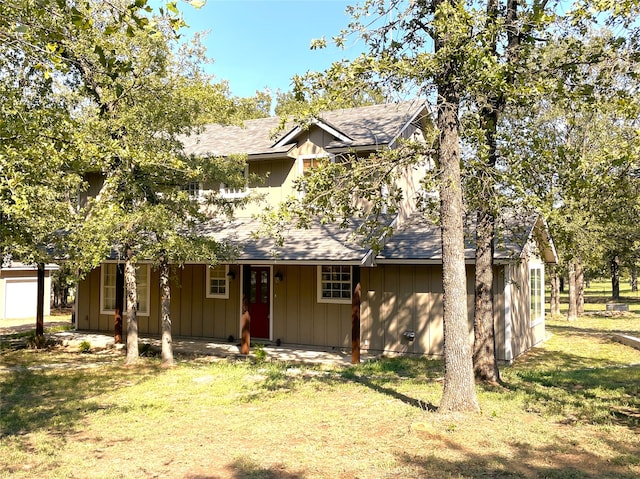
[(260, 301)]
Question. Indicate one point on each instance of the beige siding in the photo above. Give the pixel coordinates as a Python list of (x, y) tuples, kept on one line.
[(524, 334), (408, 298), (192, 313), (401, 299), (498, 311), (275, 185), (298, 318), (395, 299), (94, 183)]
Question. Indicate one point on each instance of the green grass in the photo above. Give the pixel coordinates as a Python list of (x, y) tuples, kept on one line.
[(567, 409)]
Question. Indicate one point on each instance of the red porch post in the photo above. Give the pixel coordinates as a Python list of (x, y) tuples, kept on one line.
[(355, 316)]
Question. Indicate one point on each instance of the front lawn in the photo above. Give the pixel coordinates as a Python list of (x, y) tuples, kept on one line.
[(567, 409)]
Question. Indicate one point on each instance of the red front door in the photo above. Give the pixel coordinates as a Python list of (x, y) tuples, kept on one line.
[(260, 301)]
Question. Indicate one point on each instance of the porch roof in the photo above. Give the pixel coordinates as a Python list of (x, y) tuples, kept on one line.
[(418, 240), (320, 243)]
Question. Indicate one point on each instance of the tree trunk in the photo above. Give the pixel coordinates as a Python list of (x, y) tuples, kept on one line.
[(615, 277), (459, 386), (484, 359), (634, 278), (132, 308), (579, 287), (165, 299), (40, 303), (572, 315), (555, 291)]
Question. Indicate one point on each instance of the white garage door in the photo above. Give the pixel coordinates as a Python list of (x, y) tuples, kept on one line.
[(21, 298)]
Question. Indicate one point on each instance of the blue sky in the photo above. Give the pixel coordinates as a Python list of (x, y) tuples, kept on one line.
[(258, 44)]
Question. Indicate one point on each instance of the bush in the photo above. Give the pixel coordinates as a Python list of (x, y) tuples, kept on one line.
[(260, 353), (85, 347)]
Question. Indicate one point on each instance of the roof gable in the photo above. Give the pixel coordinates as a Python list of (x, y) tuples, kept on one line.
[(370, 126)]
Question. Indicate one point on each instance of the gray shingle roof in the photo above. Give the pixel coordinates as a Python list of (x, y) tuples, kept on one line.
[(419, 240), (319, 243), (367, 126)]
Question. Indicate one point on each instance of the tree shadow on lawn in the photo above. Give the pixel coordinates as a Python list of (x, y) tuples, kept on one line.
[(519, 460), (244, 468), (55, 398), (571, 328), (581, 388)]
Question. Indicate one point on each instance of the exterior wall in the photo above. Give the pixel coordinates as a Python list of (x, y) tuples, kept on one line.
[(192, 313), (298, 317), (524, 333), (406, 298), (276, 185), (8, 276), (395, 299)]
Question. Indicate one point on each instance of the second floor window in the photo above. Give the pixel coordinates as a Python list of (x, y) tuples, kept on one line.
[(194, 188), (230, 192)]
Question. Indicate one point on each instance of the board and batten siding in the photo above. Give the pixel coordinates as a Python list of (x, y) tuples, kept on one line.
[(192, 313), (298, 317), (404, 298), (524, 333)]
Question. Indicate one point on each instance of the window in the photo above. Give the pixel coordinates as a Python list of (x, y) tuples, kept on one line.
[(108, 289), (334, 284), (308, 162), (142, 286), (537, 295), (218, 281), (232, 193), (194, 189)]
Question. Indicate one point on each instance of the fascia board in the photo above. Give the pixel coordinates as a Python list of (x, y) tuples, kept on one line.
[(406, 125)]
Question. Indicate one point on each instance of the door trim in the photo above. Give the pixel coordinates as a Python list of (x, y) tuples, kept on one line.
[(270, 266)]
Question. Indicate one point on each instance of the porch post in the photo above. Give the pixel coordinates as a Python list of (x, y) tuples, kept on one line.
[(355, 316), (245, 318), (40, 301)]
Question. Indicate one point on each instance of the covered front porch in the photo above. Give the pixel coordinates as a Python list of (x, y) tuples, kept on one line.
[(289, 353)]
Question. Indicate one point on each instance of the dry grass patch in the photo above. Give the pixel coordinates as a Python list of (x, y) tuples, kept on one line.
[(568, 409)]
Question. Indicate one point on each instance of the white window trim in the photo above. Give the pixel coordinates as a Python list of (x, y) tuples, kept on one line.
[(199, 193), (148, 295), (321, 299), (103, 270), (537, 320), (236, 193), (301, 158), (226, 284), (124, 302)]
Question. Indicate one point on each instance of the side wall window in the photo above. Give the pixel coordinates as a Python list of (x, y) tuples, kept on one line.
[(218, 281), (108, 288), (334, 284), (537, 294)]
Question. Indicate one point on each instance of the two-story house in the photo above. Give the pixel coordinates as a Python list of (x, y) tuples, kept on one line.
[(301, 293)]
